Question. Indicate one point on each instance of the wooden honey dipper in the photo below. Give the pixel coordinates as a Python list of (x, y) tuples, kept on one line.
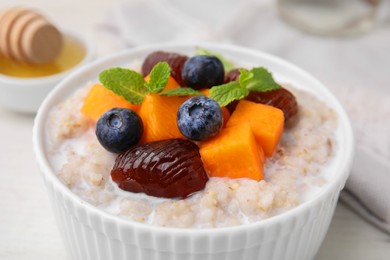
[(28, 37)]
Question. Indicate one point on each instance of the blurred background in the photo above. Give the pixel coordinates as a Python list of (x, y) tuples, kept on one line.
[(344, 43)]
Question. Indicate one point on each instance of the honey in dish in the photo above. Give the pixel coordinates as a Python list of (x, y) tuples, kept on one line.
[(71, 54)]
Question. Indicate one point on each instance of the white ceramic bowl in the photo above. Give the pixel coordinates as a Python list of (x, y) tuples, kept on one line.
[(26, 94), (90, 233)]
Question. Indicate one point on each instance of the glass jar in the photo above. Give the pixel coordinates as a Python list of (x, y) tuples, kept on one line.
[(330, 17)]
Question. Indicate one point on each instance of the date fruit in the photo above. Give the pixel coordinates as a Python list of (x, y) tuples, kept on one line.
[(232, 75), (175, 61), (170, 169)]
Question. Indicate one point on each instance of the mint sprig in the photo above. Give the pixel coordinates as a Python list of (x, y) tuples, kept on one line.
[(132, 86), (226, 93), (126, 83), (158, 77), (256, 79)]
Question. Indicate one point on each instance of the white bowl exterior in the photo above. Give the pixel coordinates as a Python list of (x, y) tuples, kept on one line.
[(90, 233), (25, 95)]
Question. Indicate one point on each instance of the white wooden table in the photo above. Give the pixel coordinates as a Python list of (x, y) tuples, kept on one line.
[(27, 226)]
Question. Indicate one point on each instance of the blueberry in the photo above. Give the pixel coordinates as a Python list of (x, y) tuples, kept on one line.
[(199, 118), (203, 71), (118, 129)]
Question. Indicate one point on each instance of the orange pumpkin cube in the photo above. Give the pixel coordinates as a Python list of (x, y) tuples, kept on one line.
[(233, 153), (267, 123), (100, 99), (158, 115)]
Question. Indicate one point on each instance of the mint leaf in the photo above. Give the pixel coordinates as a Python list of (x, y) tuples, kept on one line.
[(228, 65), (245, 77), (224, 94), (181, 92), (126, 83), (158, 77), (258, 79)]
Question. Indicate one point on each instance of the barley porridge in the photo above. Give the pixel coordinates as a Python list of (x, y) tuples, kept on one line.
[(292, 174)]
